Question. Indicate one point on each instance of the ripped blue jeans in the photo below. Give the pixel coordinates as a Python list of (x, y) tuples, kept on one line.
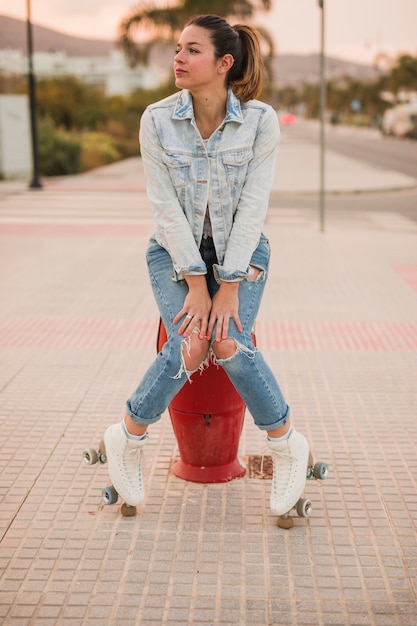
[(247, 369)]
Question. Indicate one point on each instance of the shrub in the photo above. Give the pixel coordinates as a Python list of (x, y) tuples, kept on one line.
[(126, 142), (59, 151), (98, 149)]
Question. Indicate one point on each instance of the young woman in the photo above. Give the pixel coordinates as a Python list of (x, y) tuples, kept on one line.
[(209, 156)]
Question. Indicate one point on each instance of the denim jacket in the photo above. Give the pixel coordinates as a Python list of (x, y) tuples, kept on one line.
[(230, 175)]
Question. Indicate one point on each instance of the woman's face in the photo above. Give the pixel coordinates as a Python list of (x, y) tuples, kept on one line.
[(195, 65)]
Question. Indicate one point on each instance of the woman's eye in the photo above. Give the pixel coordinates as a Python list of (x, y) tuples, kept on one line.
[(190, 50)]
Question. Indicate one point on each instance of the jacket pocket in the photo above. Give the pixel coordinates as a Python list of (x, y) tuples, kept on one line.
[(236, 164), (178, 166)]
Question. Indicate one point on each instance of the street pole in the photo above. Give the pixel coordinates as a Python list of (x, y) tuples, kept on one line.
[(35, 183), (322, 118)]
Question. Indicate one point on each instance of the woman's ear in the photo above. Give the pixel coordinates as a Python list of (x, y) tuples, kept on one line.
[(225, 63)]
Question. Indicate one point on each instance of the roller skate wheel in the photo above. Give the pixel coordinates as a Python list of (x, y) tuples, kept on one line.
[(90, 456), (109, 495), (102, 452), (304, 508), (321, 471)]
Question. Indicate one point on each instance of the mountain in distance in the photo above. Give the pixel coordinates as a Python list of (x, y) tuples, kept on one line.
[(297, 69), (13, 36), (288, 69)]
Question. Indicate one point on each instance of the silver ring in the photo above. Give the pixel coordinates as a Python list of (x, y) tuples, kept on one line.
[(188, 317)]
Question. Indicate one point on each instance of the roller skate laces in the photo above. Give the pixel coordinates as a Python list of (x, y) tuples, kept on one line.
[(125, 463), (290, 461)]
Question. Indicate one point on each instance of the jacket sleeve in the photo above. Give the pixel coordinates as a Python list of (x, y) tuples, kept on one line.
[(173, 231), (252, 207)]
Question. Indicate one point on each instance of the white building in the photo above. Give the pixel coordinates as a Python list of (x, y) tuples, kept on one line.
[(15, 146), (112, 71)]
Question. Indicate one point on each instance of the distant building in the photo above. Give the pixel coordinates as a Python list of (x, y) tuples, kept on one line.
[(15, 149), (112, 71)]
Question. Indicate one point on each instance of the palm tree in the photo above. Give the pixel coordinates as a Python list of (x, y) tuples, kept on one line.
[(162, 24)]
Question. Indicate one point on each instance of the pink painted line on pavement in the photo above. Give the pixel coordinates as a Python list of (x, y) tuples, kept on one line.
[(395, 336), (96, 187), (57, 332), (75, 230), (353, 336)]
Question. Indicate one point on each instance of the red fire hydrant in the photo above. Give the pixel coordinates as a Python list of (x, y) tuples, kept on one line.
[(207, 416)]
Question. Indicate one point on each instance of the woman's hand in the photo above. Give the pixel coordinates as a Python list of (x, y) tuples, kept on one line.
[(225, 306), (196, 307)]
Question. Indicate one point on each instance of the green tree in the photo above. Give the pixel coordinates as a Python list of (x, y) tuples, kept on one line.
[(403, 75), (341, 92), (70, 103), (159, 24)]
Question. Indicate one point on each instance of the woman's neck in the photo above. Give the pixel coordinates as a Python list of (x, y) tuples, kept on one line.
[(209, 112)]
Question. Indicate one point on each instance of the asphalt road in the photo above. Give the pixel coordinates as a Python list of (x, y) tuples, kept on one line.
[(386, 152), (363, 145)]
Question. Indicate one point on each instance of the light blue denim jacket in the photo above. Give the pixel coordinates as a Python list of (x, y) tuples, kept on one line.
[(231, 173)]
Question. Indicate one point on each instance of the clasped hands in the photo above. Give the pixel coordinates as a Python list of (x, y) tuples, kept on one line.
[(202, 313)]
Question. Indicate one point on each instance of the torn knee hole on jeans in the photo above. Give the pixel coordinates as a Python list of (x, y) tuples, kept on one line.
[(240, 348), (186, 344)]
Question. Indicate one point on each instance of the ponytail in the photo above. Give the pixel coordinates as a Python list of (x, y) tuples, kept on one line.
[(249, 83), (247, 74)]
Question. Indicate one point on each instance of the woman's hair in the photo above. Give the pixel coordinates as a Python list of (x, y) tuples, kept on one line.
[(247, 74)]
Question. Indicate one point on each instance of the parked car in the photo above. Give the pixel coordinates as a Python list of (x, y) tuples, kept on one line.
[(400, 121)]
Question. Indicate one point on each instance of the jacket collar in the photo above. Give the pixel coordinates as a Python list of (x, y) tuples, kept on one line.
[(184, 107)]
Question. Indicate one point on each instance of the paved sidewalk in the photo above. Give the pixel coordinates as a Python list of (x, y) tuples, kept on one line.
[(78, 329), (297, 170)]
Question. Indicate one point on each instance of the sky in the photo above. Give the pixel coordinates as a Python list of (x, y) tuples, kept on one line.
[(356, 30)]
